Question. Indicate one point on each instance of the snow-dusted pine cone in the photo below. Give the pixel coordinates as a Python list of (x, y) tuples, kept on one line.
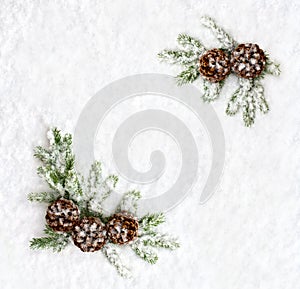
[(214, 65), (122, 228), (62, 215), (248, 60), (89, 235)]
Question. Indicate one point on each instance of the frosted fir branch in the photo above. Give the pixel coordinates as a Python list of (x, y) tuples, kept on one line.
[(94, 177), (106, 187), (58, 168), (55, 241), (113, 257), (144, 252), (224, 38), (272, 67), (211, 90), (43, 197), (129, 202), (191, 43), (150, 221), (156, 239), (178, 56), (187, 76), (249, 97)]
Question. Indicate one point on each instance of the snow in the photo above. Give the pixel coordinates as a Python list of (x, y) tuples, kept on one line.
[(55, 55)]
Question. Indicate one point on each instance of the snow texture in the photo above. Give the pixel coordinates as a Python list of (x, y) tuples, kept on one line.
[(55, 55)]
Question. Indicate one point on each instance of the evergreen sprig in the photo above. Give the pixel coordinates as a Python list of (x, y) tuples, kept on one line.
[(155, 239), (225, 39), (114, 258), (249, 97), (144, 252), (58, 168), (129, 202), (43, 197), (55, 241), (89, 195), (249, 100), (150, 221)]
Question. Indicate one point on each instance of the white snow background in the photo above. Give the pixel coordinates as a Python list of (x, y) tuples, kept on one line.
[(55, 55)]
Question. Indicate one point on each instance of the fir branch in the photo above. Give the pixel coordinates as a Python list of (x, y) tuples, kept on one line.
[(43, 197), (58, 168), (211, 90), (272, 67), (178, 56), (224, 38), (233, 105), (113, 257), (249, 96), (149, 221), (189, 42), (129, 202), (144, 252), (187, 76), (55, 241), (156, 239), (95, 176)]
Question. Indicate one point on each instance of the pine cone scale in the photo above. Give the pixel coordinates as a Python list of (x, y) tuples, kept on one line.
[(214, 65), (122, 228), (248, 60), (62, 215)]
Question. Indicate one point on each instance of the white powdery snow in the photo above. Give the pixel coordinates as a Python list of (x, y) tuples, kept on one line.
[(55, 55)]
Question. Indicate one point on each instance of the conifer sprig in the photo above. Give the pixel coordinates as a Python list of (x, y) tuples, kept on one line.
[(55, 241)]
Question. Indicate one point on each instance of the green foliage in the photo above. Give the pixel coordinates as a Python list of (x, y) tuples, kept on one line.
[(155, 239), (249, 97), (187, 76), (178, 56), (59, 171), (249, 100), (129, 202), (192, 43), (43, 197), (58, 164), (224, 38), (272, 67), (149, 221), (55, 241), (113, 257), (144, 252), (211, 90)]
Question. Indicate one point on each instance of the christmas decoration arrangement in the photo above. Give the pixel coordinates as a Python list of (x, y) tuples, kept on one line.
[(247, 61), (75, 210)]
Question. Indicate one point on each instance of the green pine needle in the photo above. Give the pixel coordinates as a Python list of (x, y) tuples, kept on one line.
[(55, 241), (149, 221), (43, 197)]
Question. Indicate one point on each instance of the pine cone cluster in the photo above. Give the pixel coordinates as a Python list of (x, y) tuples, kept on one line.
[(248, 60), (122, 228), (89, 235), (62, 215), (214, 65)]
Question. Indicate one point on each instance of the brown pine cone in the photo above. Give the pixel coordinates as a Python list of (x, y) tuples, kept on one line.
[(248, 60), (89, 235), (214, 65), (122, 228), (62, 215)]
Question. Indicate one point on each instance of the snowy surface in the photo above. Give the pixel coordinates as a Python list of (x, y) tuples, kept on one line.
[(55, 55)]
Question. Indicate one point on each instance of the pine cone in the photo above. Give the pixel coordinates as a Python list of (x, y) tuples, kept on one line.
[(89, 235), (248, 60), (122, 228), (214, 65), (62, 215)]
